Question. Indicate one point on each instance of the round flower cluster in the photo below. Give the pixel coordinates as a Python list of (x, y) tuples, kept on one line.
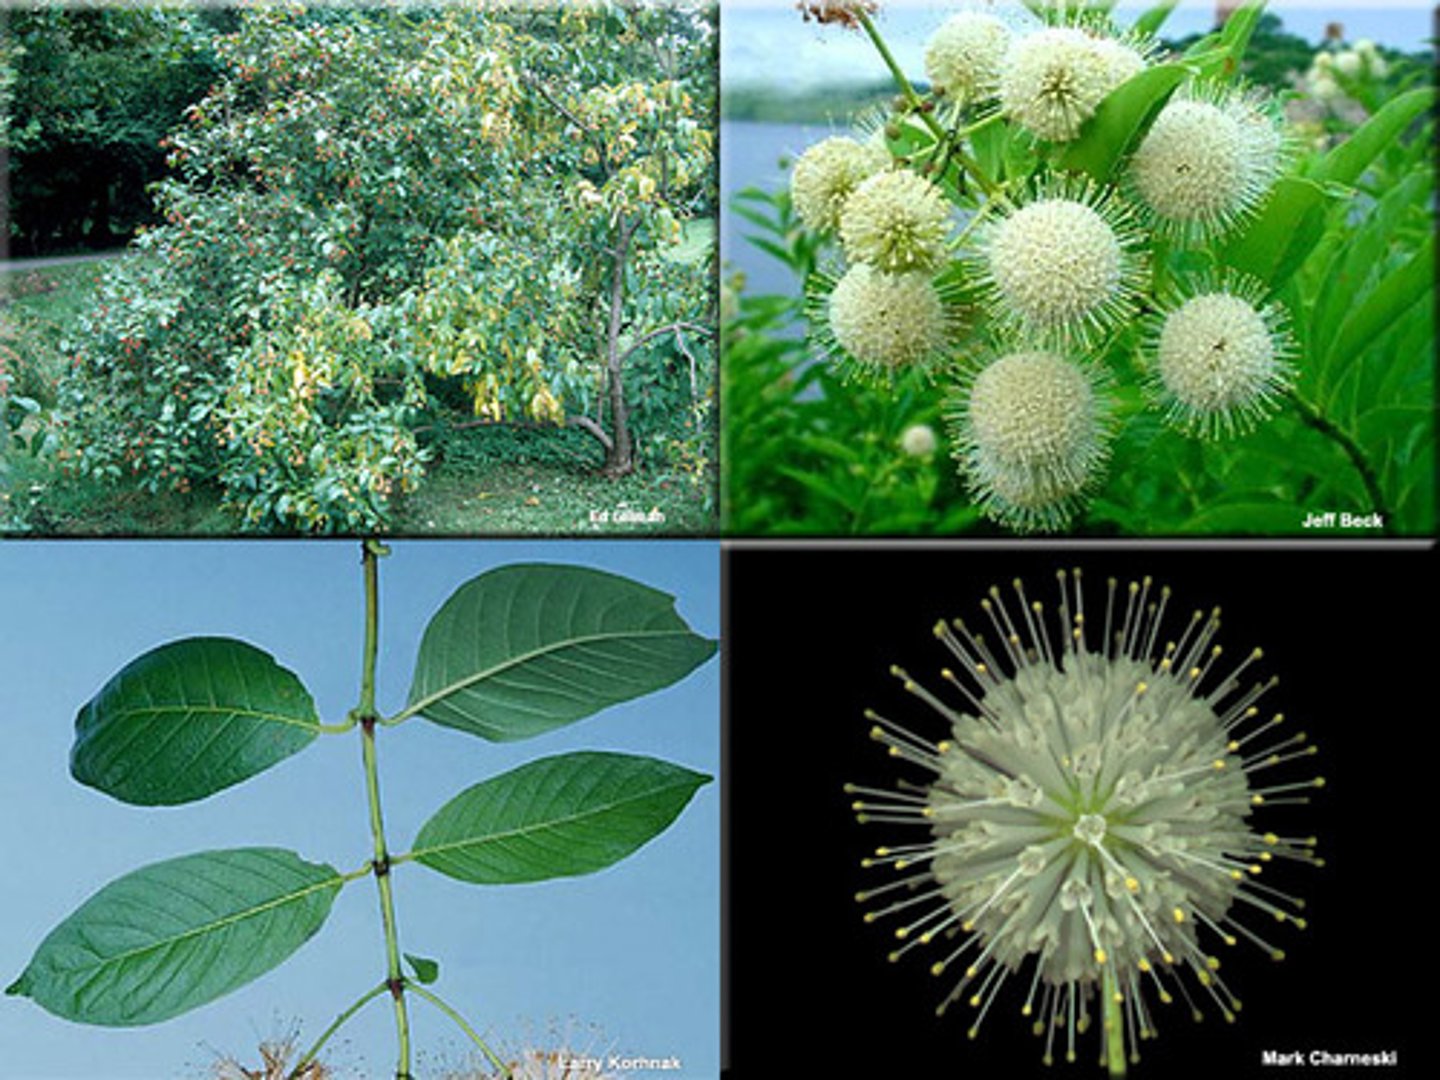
[(1054, 79), (887, 320), (1031, 306), (1030, 435), (1219, 358), (1206, 163), (963, 59), (826, 174), (1088, 812)]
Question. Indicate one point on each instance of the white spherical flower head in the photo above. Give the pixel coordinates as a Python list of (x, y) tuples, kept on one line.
[(1062, 268), (1122, 61), (919, 440), (1053, 80), (897, 222), (887, 321), (1205, 165), (1032, 439), (827, 173), (1088, 809), (963, 58), (1220, 363)]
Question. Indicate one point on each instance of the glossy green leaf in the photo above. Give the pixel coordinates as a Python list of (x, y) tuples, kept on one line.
[(189, 719), (527, 648), (1404, 286), (1120, 119), (426, 970), (1347, 162), (556, 817), (1277, 240), (170, 937)]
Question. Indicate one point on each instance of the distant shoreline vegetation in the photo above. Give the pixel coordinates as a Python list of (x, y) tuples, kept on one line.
[(838, 102)]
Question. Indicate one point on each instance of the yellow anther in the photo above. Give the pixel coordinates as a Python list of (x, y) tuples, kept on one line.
[(1179, 915), (1132, 884), (901, 864), (1218, 763), (1100, 956), (937, 968), (1213, 963), (1270, 838)]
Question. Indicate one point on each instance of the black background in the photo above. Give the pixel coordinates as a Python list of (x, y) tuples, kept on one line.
[(810, 635)]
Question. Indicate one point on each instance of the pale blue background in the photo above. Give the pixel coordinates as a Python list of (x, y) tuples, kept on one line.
[(633, 949)]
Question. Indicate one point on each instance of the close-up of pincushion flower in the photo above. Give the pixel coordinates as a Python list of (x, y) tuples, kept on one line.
[(1053, 80), (1030, 431), (1219, 358), (897, 222), (887, 321), (963, 57), (1206, 163), (827, 173), (1087, 825), (1065, 267)]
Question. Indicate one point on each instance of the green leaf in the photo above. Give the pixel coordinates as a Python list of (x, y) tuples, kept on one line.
[(189, 719), (527, 648), (1403, 287), (556, 817), (1149, 22), (1347, 162), (1290, 223), (175, 935), (425, 969), (1121, 117)]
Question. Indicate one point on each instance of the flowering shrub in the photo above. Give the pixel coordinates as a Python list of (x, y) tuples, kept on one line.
[(370, 207), (1104, 258)]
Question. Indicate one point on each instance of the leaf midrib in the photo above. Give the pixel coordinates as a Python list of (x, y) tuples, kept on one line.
[(551, 823), (523, 658), (231, 710), (212, 927)]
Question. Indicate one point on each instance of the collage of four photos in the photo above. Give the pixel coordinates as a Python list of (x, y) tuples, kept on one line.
[(844, 538)]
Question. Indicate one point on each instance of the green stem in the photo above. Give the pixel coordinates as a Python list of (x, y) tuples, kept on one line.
[(463, 1025), (1114, 1025), (1317, 421), (912, 99), (365, 715), (339, 1021)]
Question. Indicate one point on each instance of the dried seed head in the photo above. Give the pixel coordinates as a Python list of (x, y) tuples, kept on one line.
[(897, 222), (1219, 358), (963, 58), (827, 173), (1064, 268), (1031, 436), (1206, 163), (1089, 810), (887, 321)]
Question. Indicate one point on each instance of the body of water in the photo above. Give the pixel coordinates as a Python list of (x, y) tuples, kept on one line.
[(751, 155)]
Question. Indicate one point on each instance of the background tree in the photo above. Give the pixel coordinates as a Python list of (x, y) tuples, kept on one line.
[(95, 89)]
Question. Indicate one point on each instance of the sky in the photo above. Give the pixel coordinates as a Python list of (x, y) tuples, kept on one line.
[(765, 41), (625, 960)]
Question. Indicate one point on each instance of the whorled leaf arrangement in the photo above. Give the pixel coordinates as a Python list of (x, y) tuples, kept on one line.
[(513, 653)]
